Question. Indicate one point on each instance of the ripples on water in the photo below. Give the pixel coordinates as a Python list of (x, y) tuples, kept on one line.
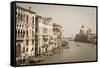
[(77, 51)]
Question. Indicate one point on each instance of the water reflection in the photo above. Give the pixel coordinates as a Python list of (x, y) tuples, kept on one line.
[(76, 51)]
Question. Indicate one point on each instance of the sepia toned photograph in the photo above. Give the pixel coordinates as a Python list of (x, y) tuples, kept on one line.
[(50, 33)]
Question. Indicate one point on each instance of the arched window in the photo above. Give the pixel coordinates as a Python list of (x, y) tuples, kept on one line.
[(18, 32), (33, 20), (26, 49), (32, 33), (27, 33), (23, 49), (21, 17), (18, 50), (26, 42), (27, 18), (21, 33), (32, 42), (32, 49), (18, 16)]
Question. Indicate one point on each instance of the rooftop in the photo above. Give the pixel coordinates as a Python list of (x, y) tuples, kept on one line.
[(25, 9), (54, 24)]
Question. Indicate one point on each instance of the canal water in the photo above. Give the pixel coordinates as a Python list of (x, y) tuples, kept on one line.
[(76, 52)]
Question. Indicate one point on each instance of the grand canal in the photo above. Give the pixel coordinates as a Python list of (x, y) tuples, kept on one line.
[(77, 51)]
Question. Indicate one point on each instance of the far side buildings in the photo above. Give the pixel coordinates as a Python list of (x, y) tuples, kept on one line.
[(87, 36), (35, 34), (57, 35), (43, 35)]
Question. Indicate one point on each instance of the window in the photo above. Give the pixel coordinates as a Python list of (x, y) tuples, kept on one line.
[(27, 50), (45, 30), (39, 20), (21, 33), (33, 21), (45, 23), (21, 17), (17, 25), (32, 42), (23, 49), (32, 33), (32, 49), (27, 33), (45, 38), (27, 19), (18, 17), (18, 33), (26, 42)]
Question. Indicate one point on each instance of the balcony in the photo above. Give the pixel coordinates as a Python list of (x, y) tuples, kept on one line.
[(19, 38), (22, 38)]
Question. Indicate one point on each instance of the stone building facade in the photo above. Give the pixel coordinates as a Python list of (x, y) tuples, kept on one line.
[(57, 36), (25, 32), (35, 34), (44, 34)]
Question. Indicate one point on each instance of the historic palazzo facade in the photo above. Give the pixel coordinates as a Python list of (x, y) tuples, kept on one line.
[(35, 34)]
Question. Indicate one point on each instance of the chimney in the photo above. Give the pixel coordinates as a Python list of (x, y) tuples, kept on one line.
[(30, 8)]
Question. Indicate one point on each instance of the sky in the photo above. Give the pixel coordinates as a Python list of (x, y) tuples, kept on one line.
[(71, 18)]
